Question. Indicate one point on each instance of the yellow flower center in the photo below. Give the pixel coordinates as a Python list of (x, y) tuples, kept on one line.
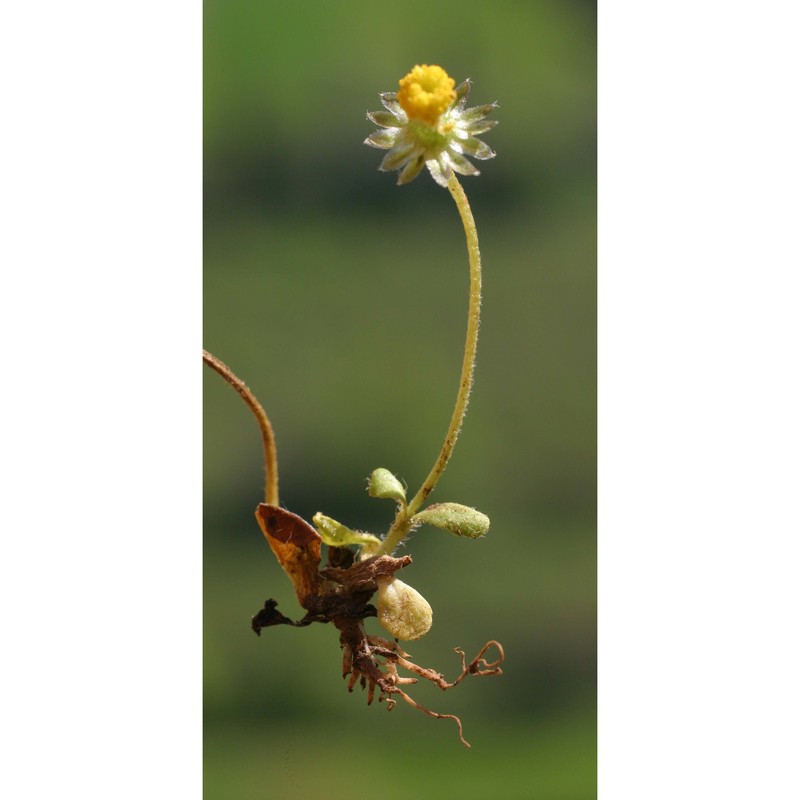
[(426, 93)]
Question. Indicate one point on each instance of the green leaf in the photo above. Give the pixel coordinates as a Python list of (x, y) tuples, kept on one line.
[(453, 517), (385, 485), (334, 534)]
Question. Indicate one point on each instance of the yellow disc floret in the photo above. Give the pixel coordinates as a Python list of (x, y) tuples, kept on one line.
[(426, 93)]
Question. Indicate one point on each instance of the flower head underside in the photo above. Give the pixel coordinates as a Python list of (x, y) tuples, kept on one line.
[(426, 124)]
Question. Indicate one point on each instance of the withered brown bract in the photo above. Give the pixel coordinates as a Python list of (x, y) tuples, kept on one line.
[(296, 546)]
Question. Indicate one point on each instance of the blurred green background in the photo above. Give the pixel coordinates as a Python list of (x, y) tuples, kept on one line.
[(341, 299)]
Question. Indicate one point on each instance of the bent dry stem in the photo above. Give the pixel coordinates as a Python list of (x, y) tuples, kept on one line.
[(267, 434), (402, 523)]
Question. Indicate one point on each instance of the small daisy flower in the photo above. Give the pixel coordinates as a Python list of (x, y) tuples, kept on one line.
[(426, 124)]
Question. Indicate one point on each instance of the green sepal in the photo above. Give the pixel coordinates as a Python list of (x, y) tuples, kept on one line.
[(385, 485), (453, 517), (334, 534)]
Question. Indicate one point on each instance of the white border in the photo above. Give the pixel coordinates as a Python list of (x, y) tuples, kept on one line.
[(699, 400), (100, 320)]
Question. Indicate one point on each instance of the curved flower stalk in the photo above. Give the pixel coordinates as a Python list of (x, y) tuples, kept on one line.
[(426, 123)]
